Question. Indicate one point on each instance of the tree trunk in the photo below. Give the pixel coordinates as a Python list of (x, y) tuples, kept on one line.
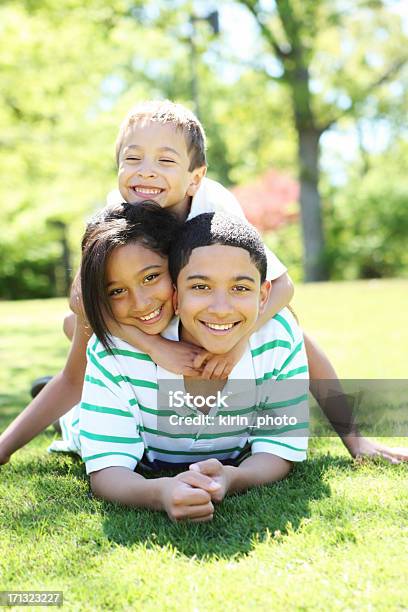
[(312, 229)]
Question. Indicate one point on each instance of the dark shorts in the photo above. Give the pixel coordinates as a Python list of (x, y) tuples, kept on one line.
[(146, 467)]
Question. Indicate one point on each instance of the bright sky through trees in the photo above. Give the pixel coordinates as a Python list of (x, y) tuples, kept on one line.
[(340, 145)]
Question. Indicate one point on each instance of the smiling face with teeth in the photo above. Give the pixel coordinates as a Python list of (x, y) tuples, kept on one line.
[(154, 164), (139, 288), (219, 297)]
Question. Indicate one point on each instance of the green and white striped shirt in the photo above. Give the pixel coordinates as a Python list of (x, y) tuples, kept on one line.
[(120, 417)]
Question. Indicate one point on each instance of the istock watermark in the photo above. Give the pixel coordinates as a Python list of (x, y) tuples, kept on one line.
[(240, 407), (229, 420), (178, 399), (373, 407)]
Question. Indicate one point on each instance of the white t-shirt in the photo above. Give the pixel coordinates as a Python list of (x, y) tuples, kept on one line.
[(211, 196)]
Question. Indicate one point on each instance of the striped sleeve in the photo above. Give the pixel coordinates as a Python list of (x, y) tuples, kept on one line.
[(109, 425), (283, 415)]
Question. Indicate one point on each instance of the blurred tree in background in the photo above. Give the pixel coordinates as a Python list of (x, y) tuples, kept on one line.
[(367, 221), (70, 70), (335, 57)]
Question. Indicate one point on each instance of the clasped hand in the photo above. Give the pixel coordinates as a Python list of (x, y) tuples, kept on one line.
[(191, 495)]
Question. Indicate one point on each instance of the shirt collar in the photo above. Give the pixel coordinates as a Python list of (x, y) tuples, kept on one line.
[(198, 201)]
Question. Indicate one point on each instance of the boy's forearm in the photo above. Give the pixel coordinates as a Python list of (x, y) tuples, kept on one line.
[(121, 485), (281, 294), (257, 470)]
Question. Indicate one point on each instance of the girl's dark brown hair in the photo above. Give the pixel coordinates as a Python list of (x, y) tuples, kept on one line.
[(145, 223)]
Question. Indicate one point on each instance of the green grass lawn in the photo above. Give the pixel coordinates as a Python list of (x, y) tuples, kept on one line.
[(333, 536)]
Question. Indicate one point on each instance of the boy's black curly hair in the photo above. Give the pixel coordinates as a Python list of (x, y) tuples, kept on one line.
[(216, 228)]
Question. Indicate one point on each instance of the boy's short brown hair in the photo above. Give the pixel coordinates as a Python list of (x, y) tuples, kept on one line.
[(165, 111)]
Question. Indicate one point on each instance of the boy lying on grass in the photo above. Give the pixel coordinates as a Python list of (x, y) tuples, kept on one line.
[(218, 266)]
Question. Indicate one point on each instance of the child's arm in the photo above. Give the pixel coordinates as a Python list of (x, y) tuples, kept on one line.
[(259, 469), (185, 496), (220, 366), (338, 411), (75, 296), (177, 357), (281, 293), (107, 432), (57, 397)]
